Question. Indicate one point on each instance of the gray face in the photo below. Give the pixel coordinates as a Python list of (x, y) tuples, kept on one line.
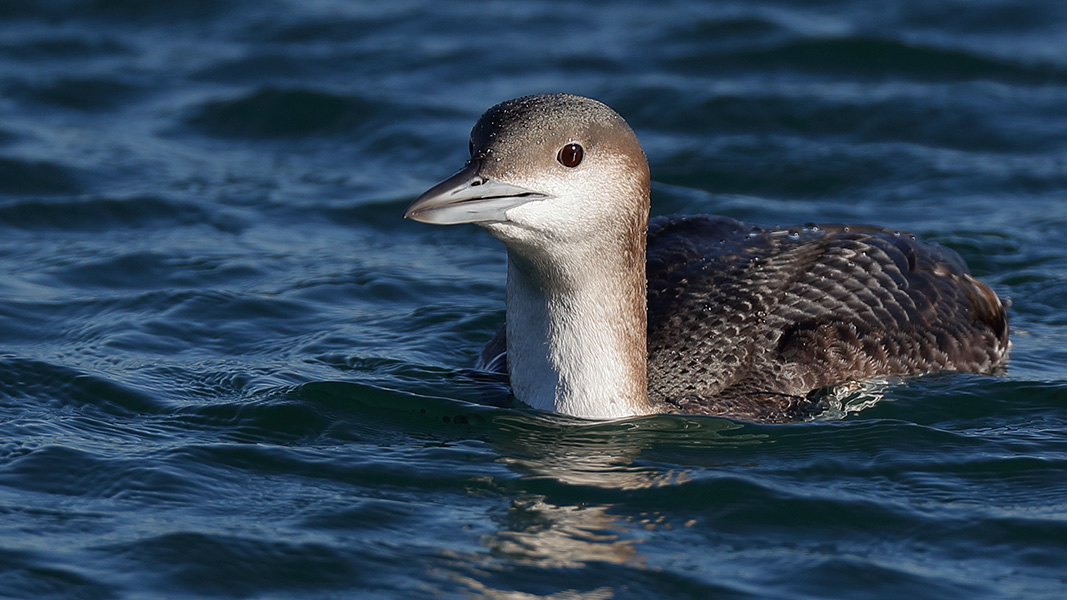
[(548, 164)]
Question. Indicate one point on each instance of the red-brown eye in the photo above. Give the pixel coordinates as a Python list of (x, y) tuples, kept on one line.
[(570, 155)]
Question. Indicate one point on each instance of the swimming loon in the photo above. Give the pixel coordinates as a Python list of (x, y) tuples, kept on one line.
[(611, 315)]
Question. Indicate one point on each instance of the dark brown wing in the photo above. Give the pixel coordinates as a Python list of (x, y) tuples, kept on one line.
[(745, 322)]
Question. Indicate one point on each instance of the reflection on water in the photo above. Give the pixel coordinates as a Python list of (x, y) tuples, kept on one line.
[(537, 535), (616, 455), (552, 525), (576, 494), (478, 589), (535, 531)]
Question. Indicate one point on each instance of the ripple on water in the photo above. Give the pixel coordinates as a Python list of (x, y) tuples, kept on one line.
[(58, 387), (214, 563), (40, 575), (283, 113), (93, 94), (100, 214), (871, 58), (30, 177)]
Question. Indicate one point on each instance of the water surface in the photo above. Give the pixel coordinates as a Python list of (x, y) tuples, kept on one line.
[(229, 369)]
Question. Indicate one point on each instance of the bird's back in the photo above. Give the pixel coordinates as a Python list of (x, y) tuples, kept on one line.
[(746, 322)]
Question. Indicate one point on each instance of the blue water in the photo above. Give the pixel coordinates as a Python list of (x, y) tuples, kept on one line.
[(228, 369)]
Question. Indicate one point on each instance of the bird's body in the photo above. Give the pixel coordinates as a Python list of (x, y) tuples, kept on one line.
[(747, 322), (734, 320)]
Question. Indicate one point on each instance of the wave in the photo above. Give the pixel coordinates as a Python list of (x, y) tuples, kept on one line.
[(99, 213), (283, 113), (872, 58), (164, 11), (87, 94), (29, 177)]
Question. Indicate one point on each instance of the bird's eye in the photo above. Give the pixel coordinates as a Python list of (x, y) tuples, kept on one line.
[(570, 155)]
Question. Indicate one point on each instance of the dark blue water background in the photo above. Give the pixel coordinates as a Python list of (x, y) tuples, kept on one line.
[(228, 369)]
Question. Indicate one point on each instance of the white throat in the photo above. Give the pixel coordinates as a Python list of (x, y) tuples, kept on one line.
[(576, 339)]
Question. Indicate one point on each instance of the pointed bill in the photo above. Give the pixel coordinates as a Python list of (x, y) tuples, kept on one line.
[(468, 197)]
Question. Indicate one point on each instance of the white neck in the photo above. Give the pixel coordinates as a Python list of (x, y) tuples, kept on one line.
[(576, 334)]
